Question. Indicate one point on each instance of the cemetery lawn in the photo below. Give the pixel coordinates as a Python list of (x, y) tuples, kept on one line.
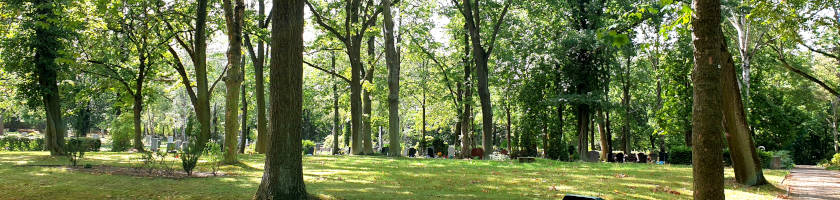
[(364, 177)]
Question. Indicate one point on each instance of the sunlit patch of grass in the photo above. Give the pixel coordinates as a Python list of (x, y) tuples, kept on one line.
[(362, 177)]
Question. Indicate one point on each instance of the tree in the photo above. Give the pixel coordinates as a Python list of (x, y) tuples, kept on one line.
[(283, 176), (392, 59), (357, 20), (480, 56), (706, 118), (258, 59), (233, 80), (197, 51)]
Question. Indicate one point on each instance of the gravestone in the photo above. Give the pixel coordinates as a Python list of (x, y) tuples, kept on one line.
[(451, 152), (526, 159), (412, 152), (385, 151), (610, 157), (642, 158), (594, 156), (155, 144), (776, 163), (147, 139), (663, 156), (630, 157), (477, 152), (619, 158), (430, 152)]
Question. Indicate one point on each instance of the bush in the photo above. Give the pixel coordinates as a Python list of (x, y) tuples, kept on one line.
[(189, 156), (76, 149), (680, 155), (308, 147), (21, 143), (766, 158), (557, 150), (787, 159), (215, 156), (121, 133), (90, 143)]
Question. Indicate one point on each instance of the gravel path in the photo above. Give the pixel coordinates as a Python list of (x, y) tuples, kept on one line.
[(809, 182)]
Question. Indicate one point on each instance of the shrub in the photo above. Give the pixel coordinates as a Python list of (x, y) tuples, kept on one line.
[(766, 158), (76, 149), (122, 132), (308, 147), (21, 143), (787, 159), (189, 156), (680, 155), (215, 156), (557, 150), (90, 143)]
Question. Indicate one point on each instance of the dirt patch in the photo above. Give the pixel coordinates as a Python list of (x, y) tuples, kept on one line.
[(134, 171)]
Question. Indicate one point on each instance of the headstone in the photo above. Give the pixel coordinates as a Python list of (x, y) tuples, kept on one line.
[(430, 152), (580, 197), (451, 152), (477, 152), (619, 157), (642, 158), (776, 163), (385, 151), (526, 159), (610, 157), (170, 139), (630, 157), (155, 144), (663, 156), (412, 152), (147, 139), (594, 156)]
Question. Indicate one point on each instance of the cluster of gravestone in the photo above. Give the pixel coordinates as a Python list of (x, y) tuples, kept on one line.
[(630, 158), (172, 144)]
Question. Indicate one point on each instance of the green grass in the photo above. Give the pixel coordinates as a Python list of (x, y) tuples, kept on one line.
[(360, 177)]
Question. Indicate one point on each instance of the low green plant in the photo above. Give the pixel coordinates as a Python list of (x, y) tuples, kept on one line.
[(308, 147), (214, 156), (75, 150), (680, 155)]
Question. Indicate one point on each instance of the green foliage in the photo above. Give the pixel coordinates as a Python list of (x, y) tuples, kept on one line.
[(680, 155), (122, 132), (76, 149), (215, 156), (308, 147), (190, 155), (91, 144), (440, 146), (19, 143), (766, 158)]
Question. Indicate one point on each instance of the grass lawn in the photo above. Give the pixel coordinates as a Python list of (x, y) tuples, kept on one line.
[(361, 177)]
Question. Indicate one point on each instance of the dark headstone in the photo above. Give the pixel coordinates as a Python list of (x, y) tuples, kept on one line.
[(663, 156), (594, 156), (385, 150), (526, 159), (619, 157), (477, 152), (643, 158), (504, 152), (610, 157), (412, 152), (630, 157), (580, 197), (430, 152)]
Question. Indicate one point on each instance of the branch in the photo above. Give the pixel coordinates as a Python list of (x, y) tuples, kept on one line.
[(328, 71), (805, 75), (210, 91), (115, 77), (180, 41), (183, 72), (818, 51), (320, 20), (440, 65), (496, 29)]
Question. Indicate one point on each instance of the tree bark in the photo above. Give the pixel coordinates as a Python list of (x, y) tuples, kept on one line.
[(367, 106), (138, 128), (392, 59), (605, 145), (583, 131), (335, 128), (258, 58), (283, 176), (706, 118), (233, 80), (745, 160), (46, 71), (466, 115), (244, 130)]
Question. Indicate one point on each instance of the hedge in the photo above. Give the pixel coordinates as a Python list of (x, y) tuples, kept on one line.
[(15, 143)]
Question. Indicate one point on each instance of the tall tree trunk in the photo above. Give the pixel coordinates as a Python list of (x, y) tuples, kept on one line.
[(233, 80), (745, 160), (138, 128), (367, 107), (202, 104), (46, 70), (605, 145), (592, 131), (609, 147), (355, 100), (466, 115), (392, 59), (484, 97), (335, 128), (706, 118), (244, 131), (583, 131), (832, 121), (258, 58), (625, 130), (283, 176), (507, 127), (3, 128)]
